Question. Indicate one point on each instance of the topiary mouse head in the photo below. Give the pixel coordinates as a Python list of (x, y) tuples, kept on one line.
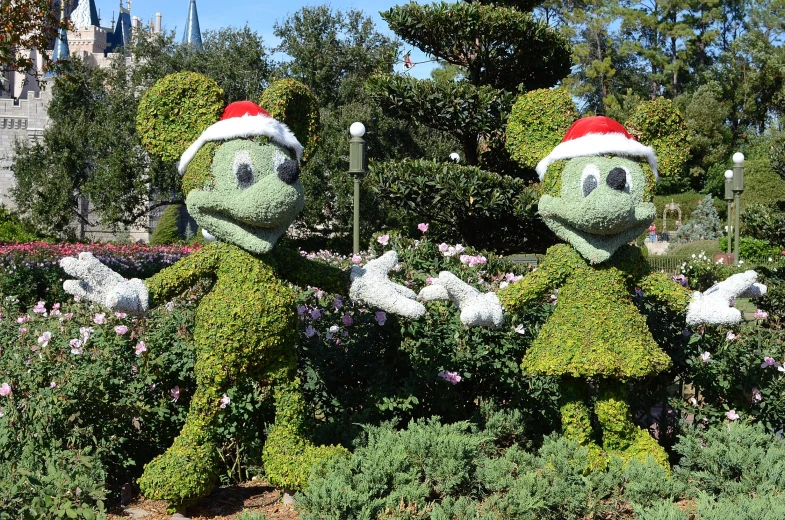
[(597, 187), (240, 172)]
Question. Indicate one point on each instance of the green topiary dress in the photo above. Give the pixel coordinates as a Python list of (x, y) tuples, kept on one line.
[(597, 332)]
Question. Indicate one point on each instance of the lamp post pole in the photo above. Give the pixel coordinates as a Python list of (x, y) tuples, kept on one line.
[(729, 200), (738, 188), (357, 171)]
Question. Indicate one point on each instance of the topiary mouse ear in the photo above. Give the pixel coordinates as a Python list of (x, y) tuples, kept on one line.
[(175, 111), (537, 123), (293, 103)]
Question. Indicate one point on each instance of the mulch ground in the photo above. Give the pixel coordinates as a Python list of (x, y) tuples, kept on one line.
[(225, 503)]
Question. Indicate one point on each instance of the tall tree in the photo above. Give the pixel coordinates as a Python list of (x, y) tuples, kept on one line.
[(333, 52), (500, 49)]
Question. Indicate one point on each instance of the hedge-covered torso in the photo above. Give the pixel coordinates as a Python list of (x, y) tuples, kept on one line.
[(595, 330)]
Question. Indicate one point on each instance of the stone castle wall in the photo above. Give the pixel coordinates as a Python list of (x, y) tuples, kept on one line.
[(23, 119)]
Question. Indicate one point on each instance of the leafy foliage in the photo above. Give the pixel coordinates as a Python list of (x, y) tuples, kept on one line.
[(464, 203), (27, 25), (764, 223), (537, 123), (457, 107), (658, 124), (333, 52), (485, 40)]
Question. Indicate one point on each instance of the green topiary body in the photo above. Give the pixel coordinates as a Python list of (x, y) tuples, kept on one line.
[(597, 332), (245, 327)]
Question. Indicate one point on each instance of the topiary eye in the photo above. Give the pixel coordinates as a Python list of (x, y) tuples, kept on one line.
[(590, 179), (243, 169)]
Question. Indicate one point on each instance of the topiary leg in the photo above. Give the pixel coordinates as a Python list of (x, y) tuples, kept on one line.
[(576, 418), (620, 435), (288, 455), (188, 470)]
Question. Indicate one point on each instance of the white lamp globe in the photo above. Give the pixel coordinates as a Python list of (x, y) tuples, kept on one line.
[(357, 129), (738, 158), (728, 174), (454, 157)]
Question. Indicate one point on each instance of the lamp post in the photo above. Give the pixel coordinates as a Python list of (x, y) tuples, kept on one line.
[(738, 188), (729, 200), (357, 171)]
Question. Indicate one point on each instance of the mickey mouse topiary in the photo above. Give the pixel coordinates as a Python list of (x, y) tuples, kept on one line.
[(241, 180)]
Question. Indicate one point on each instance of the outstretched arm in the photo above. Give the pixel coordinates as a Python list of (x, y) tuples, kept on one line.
[(299, 270), (559, 263), (183, 274)]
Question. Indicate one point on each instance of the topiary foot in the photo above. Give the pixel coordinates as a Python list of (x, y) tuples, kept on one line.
[(642, 447), (288, 458), (182, 475)]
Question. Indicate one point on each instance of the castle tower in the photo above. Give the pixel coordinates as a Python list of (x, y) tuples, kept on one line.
[(192, 34)]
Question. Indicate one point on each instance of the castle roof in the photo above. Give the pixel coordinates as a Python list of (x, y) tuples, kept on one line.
[(85, 14), (121, 36), (192, 34)]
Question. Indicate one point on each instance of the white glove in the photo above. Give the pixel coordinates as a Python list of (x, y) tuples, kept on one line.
[(371, 285), (477, 309), (713, 305), (99, 284)]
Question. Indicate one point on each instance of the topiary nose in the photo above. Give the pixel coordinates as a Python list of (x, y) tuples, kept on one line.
[(289, 171), (617, 178)]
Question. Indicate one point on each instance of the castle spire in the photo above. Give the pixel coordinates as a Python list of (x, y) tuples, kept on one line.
[(60, 52), (192, 34), (85, 15)]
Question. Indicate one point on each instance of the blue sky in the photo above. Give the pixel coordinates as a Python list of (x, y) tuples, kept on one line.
[(259, 15)]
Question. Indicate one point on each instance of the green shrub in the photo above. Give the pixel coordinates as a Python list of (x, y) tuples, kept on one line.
[(752, 248), (764, 223), (167, 230), (704, 224), (537, 123), (708, 247), (761, 184), (14, 230), (463, 204)]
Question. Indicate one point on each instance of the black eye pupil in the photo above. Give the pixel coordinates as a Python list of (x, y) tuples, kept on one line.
[(244, 175), (289, 171), (589, 184)]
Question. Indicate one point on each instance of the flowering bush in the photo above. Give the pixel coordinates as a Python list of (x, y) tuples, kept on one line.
[(30, 272)]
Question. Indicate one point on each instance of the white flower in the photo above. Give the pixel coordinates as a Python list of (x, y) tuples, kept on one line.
[(520, 330)]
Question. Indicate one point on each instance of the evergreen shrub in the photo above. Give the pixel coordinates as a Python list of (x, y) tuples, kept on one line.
[(166, 231), (704, 224), (463, 204), (764, 223)]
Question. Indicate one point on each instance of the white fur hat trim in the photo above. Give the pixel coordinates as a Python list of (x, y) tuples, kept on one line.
[(245, 126), (598, 144)]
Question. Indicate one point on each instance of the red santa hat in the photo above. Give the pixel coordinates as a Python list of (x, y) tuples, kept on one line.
[(597, 135), (243, 119)]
